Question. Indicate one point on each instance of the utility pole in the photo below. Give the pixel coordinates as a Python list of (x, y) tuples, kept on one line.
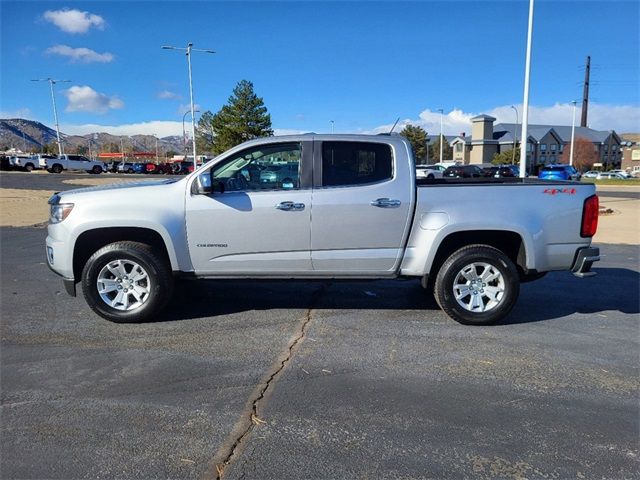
[(524, 138), (515, 137), (585, 93), (55, 110), (188, 51), (441, 142), (573, 133)]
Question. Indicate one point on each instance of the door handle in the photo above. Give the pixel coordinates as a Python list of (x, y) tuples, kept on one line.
[(386, 203), (289, 206)]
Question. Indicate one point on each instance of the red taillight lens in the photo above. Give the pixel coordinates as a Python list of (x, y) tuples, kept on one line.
[(590, 216)]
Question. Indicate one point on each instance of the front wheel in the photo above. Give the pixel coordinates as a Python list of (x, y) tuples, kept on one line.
[(57, 168), (96, 170), (477, 285), (126, 282)]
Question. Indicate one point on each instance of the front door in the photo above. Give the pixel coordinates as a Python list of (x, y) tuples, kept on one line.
[(260, 224)]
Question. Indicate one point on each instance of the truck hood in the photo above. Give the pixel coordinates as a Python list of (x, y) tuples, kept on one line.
[(113, 186)]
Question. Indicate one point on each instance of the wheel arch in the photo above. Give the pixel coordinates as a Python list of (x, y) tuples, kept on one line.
[(509, 242), (92, 240)]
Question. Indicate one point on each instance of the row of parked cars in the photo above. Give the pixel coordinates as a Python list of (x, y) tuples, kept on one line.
[(549, 172), (60, 163), (466, 171)]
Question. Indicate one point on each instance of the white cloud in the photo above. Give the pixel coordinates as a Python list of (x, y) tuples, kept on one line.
[(621, 118), (169, 95), (288, 131), (19, 113), (74, 21), (183, 109), (82, 55), (86, 99), (155, 127)]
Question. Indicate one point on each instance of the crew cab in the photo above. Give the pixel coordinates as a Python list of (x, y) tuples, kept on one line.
[(74, 163), (350, 207)]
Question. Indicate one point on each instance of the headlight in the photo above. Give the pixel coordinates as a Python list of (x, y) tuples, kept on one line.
[(60, 211)]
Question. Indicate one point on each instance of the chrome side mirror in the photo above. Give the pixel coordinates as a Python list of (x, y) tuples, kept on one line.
[(205, 185)]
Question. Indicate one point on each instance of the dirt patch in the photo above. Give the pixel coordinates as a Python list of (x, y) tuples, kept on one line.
[(92, 182), (23, 208)]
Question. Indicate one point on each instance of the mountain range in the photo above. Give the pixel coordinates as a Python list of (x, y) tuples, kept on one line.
[(31, 136)]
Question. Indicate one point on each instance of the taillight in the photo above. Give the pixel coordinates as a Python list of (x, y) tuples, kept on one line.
[(590, 216)]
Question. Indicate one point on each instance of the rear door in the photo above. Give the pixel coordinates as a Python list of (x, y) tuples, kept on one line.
[(362, 203)]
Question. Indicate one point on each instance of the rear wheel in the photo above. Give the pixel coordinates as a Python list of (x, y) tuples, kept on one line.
[(96, 170), (57, 168), (126, 282), (28, 167), (477, 285)]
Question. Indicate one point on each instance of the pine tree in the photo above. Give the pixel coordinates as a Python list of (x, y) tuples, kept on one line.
[(243, 118), (417, 137)]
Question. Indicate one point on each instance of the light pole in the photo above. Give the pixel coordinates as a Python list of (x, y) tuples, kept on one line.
[(573, 133), (525, 103), (188, 50), (331, 122), (155, 135), (55, 110), (184, 134), (441, 143), (515, 137)]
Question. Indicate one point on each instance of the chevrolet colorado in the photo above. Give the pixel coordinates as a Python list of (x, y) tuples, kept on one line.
[(320, 206)]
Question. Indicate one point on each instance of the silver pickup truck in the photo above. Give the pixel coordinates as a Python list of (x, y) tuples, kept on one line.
[(320, 206)]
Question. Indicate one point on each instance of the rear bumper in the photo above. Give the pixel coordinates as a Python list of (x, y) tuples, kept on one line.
[(584, 259)]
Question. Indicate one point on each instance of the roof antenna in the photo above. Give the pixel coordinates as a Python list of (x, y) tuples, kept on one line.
[(394, 126)]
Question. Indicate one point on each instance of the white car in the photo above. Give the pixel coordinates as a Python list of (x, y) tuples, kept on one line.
[(591, 174), (429, 171), (610, 175), (624, 173)]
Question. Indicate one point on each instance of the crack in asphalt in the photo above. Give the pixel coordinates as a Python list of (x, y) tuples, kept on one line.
[(251, 418)]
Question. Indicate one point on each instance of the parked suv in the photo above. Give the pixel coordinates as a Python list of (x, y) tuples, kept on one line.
[(463, 171), (500, 171), (559, 172), (128, 167)]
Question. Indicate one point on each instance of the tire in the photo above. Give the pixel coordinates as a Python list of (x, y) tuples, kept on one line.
[(96, 170), (146, 297), (57, 168), (430, 176), (130, 170), (28, 167), (493, 288)]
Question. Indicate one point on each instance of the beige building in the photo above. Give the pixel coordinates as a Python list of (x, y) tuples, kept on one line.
[(545, 143)]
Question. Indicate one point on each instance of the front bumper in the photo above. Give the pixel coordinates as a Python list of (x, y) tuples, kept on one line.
[(584, 259)]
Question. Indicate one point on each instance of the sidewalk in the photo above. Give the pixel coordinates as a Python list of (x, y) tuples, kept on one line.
[(622, 226)]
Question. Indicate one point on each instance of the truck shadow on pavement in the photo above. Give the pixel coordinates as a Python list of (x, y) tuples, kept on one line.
[(557, 295)]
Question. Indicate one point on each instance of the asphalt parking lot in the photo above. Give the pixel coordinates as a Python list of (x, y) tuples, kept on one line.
[(278, 380)]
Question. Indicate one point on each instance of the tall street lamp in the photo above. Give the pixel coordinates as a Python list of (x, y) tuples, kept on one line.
[(155, 135), (188, 51), (515, 137), (525, 103), (55, 110), (184, 134), (331, 122), (441, 142), (573, 133)]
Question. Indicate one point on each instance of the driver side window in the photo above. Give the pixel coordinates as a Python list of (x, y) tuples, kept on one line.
[(265, 167)]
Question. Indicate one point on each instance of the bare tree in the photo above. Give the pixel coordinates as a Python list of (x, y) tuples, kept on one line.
[(584, 154)]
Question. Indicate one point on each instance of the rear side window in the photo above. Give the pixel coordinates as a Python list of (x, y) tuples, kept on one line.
[(355, 163)]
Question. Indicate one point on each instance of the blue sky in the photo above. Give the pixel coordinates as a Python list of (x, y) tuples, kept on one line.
[(360, 64)]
